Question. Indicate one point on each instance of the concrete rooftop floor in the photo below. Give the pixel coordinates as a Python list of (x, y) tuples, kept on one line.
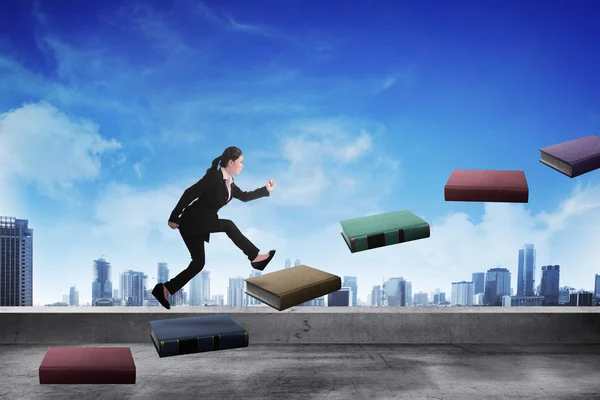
[(448, 372)]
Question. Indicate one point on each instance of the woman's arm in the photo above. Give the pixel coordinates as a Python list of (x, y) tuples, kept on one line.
[(195, 191), (239, 194)]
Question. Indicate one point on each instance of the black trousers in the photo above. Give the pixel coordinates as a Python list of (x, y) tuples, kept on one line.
[(195, 244)]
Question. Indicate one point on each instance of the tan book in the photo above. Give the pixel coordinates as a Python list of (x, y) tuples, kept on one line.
[(292, 286)]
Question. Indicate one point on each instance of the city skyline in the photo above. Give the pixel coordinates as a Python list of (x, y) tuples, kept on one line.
[(104, 124), (549, 293), (351, 283)]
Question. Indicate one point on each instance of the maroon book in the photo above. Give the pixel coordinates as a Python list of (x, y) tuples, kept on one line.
[(487, 186), (573, 158), (87, 365)]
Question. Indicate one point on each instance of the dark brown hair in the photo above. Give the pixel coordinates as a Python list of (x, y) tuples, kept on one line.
[(231, 153)]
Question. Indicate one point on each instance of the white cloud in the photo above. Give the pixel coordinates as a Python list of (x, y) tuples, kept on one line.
[(387, 83), (159, 26), (39, 143), (404, 77), (227, 22), (137, 167), (318, 151), (9, 199), (354, 151)]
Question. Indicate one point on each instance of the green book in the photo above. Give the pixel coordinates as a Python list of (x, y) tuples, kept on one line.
[(380, 230)]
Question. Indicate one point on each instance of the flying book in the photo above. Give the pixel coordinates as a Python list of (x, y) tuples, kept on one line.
[(179, 336), (380, 230), (573, 158), (292, 286), (87, 365), (490, 186)]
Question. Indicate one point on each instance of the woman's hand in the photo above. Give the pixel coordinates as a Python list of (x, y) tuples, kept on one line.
[(270, 185), (173, 225)]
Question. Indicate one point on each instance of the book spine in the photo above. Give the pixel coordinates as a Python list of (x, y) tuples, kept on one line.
[(178, 347), (77, 376), (349, 242), (393, 237), (486, 195), (417, 232), (585, 166), (233, 341)]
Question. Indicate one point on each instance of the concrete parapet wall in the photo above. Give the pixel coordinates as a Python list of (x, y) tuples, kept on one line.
[(314, 325)]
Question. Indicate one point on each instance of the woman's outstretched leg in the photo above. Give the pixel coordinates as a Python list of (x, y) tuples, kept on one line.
[(259, 261), (242, 242)]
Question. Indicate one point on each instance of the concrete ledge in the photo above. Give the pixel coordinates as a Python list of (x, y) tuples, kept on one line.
[(314, 325)]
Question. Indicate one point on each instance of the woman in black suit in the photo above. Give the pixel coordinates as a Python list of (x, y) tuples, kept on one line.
[(196, 217)]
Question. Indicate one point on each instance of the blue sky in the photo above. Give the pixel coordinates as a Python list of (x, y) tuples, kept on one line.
[(108, 112)]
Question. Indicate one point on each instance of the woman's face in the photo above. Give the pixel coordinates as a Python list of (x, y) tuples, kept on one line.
[(237, 165)]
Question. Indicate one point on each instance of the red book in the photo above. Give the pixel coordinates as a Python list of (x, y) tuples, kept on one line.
[(488, 186), (87, 365)]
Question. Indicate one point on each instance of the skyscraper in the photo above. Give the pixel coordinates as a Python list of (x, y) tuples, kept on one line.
[(195, 287), (420, 299), (218, 300), (288, 263), (133, 288), (526, 271), (497, 284), (564, 295), (478, 282), (200, 289), (395, 292), (408, 298), (162, 272), (550, 284), (439, 297), (73, 296), (350, 281), (376, 295), (101, 285), (581, 298), (205, 285), (462, 293), (297, 262), (597, 286), (235, 292), (340, 298), (16, 262)]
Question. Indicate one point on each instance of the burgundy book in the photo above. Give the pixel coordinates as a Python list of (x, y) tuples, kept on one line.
[(87, 365), (573, 158), (487, 186)]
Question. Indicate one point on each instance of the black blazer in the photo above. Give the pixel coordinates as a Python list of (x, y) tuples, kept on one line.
[(196, 211)]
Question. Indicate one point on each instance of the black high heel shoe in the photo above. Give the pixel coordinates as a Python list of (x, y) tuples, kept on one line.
[(159, 293), (260, 265)]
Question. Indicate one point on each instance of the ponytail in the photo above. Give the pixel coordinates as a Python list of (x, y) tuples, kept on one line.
[(214, 164)]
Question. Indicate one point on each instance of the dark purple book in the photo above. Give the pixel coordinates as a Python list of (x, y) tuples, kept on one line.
[(573, 158)]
